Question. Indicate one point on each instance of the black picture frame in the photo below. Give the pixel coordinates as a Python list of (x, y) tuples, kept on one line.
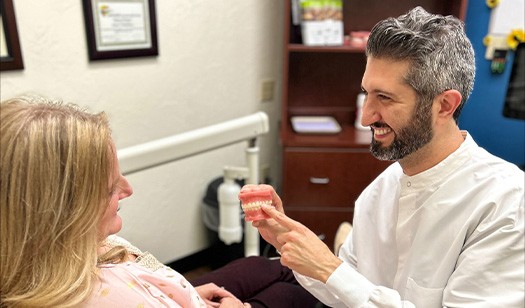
[(112, 32), (11, 57)]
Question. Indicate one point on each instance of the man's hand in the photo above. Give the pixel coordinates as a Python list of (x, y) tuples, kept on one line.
[(300, 248), (268, 228)]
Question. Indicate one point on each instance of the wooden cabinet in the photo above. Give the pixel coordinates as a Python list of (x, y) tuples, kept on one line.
[(320, 185), (324, 174)]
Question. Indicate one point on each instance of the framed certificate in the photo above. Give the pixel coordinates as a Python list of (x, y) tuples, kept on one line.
[(120, 28), (10, 52)]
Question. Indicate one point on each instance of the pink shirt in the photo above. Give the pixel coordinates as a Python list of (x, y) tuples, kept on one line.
[(132, 285)]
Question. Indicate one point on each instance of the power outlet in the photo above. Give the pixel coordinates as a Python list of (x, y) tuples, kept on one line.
[(267, 89)]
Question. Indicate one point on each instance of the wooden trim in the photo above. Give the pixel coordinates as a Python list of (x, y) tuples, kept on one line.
[(13, 60)]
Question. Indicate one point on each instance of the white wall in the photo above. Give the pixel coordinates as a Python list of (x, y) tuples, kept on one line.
[(213, 56)]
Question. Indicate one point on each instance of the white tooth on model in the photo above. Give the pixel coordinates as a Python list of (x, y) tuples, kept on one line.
[(255, 205)]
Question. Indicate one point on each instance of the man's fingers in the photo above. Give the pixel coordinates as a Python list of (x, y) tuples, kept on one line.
[(259, 223), (279, 217)]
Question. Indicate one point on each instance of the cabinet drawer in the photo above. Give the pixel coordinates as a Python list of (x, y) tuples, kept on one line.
[(327, 178), (324, 224)]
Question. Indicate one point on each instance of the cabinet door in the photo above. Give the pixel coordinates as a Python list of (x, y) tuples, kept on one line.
[(324, 178)]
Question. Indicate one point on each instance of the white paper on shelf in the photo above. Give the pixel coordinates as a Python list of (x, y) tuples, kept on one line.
[(315, 124)]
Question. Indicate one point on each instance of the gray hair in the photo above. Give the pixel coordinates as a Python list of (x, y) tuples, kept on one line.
[(441, 55)]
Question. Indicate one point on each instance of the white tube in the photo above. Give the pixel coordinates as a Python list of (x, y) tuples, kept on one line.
[(251, 234), (252, 161), (197, 141)]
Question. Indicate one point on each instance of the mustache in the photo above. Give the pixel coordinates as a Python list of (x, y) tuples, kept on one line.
[(379, 125)]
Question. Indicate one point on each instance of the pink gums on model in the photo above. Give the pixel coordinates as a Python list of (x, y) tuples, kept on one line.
[(251, 201)]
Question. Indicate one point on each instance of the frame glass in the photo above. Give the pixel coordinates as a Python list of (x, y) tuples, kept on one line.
[(10, 52), (120, 28)]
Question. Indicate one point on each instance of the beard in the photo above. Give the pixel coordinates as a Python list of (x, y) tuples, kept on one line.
[(409, 139)]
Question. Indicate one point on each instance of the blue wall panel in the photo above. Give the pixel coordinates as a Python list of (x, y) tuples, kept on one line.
[(482, 115)]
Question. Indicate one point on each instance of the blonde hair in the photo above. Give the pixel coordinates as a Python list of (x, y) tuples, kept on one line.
[(54, 175)]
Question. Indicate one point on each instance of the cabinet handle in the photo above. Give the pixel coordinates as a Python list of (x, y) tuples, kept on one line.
[(314, 180)]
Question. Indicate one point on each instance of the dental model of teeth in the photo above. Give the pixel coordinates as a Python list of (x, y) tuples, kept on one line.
[(251, 201)]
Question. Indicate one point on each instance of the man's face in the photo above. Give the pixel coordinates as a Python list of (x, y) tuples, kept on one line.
[(400, 125)]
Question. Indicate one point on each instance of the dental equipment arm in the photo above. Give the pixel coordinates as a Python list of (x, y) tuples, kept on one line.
[(169, 149)]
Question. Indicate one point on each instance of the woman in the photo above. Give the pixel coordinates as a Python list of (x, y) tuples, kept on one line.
[(59, 192)]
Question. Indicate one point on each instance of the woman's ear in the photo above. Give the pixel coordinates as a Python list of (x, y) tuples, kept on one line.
[(447, 103)]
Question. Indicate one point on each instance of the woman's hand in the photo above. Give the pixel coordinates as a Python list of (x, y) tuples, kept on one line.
[(229, 302), (215, 296)]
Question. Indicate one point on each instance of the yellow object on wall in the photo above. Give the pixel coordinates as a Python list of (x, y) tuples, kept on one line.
[(492, 3), (515, 37), (505, 31)]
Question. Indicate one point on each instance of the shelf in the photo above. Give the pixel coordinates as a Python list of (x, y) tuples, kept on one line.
[(344, 49)]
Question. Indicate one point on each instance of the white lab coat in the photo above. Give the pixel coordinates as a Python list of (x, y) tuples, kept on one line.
[(451, 236)]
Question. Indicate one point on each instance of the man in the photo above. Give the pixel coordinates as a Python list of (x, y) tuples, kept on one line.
[(444, 225)]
